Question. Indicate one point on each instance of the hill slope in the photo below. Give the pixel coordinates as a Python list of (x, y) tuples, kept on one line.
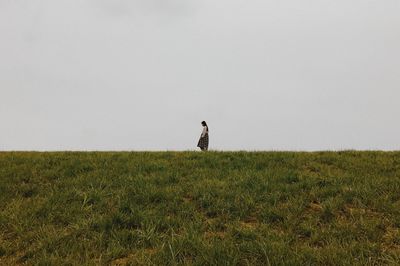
[(218, 208)]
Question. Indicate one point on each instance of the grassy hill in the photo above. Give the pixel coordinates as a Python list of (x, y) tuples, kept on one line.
[(215, 208)]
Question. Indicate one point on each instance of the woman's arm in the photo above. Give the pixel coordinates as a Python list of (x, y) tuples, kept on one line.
[(204, 132)]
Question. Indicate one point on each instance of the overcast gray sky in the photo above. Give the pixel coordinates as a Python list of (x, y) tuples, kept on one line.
[(143, 74)]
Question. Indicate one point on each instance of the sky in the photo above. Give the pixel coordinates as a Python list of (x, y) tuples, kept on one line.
[(142, 74)]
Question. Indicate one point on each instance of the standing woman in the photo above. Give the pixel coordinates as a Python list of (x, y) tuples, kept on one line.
[(203, 141)]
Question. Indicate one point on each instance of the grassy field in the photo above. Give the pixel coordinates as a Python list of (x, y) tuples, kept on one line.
[(192, 208)]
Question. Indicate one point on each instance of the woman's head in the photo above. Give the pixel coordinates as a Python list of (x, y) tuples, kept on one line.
[(204, 124)]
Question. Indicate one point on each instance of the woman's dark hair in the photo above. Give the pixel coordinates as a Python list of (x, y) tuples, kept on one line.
[(204, 124)]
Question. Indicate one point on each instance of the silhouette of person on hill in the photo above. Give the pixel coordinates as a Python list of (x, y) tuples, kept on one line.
[(203, 141)]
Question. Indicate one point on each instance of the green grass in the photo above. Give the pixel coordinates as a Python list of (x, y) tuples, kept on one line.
[(192, 208)]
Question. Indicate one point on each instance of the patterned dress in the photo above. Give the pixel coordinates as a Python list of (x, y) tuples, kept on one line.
[(203, 141)]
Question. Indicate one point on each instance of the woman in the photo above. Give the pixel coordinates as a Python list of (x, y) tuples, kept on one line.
[(203, 141)]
